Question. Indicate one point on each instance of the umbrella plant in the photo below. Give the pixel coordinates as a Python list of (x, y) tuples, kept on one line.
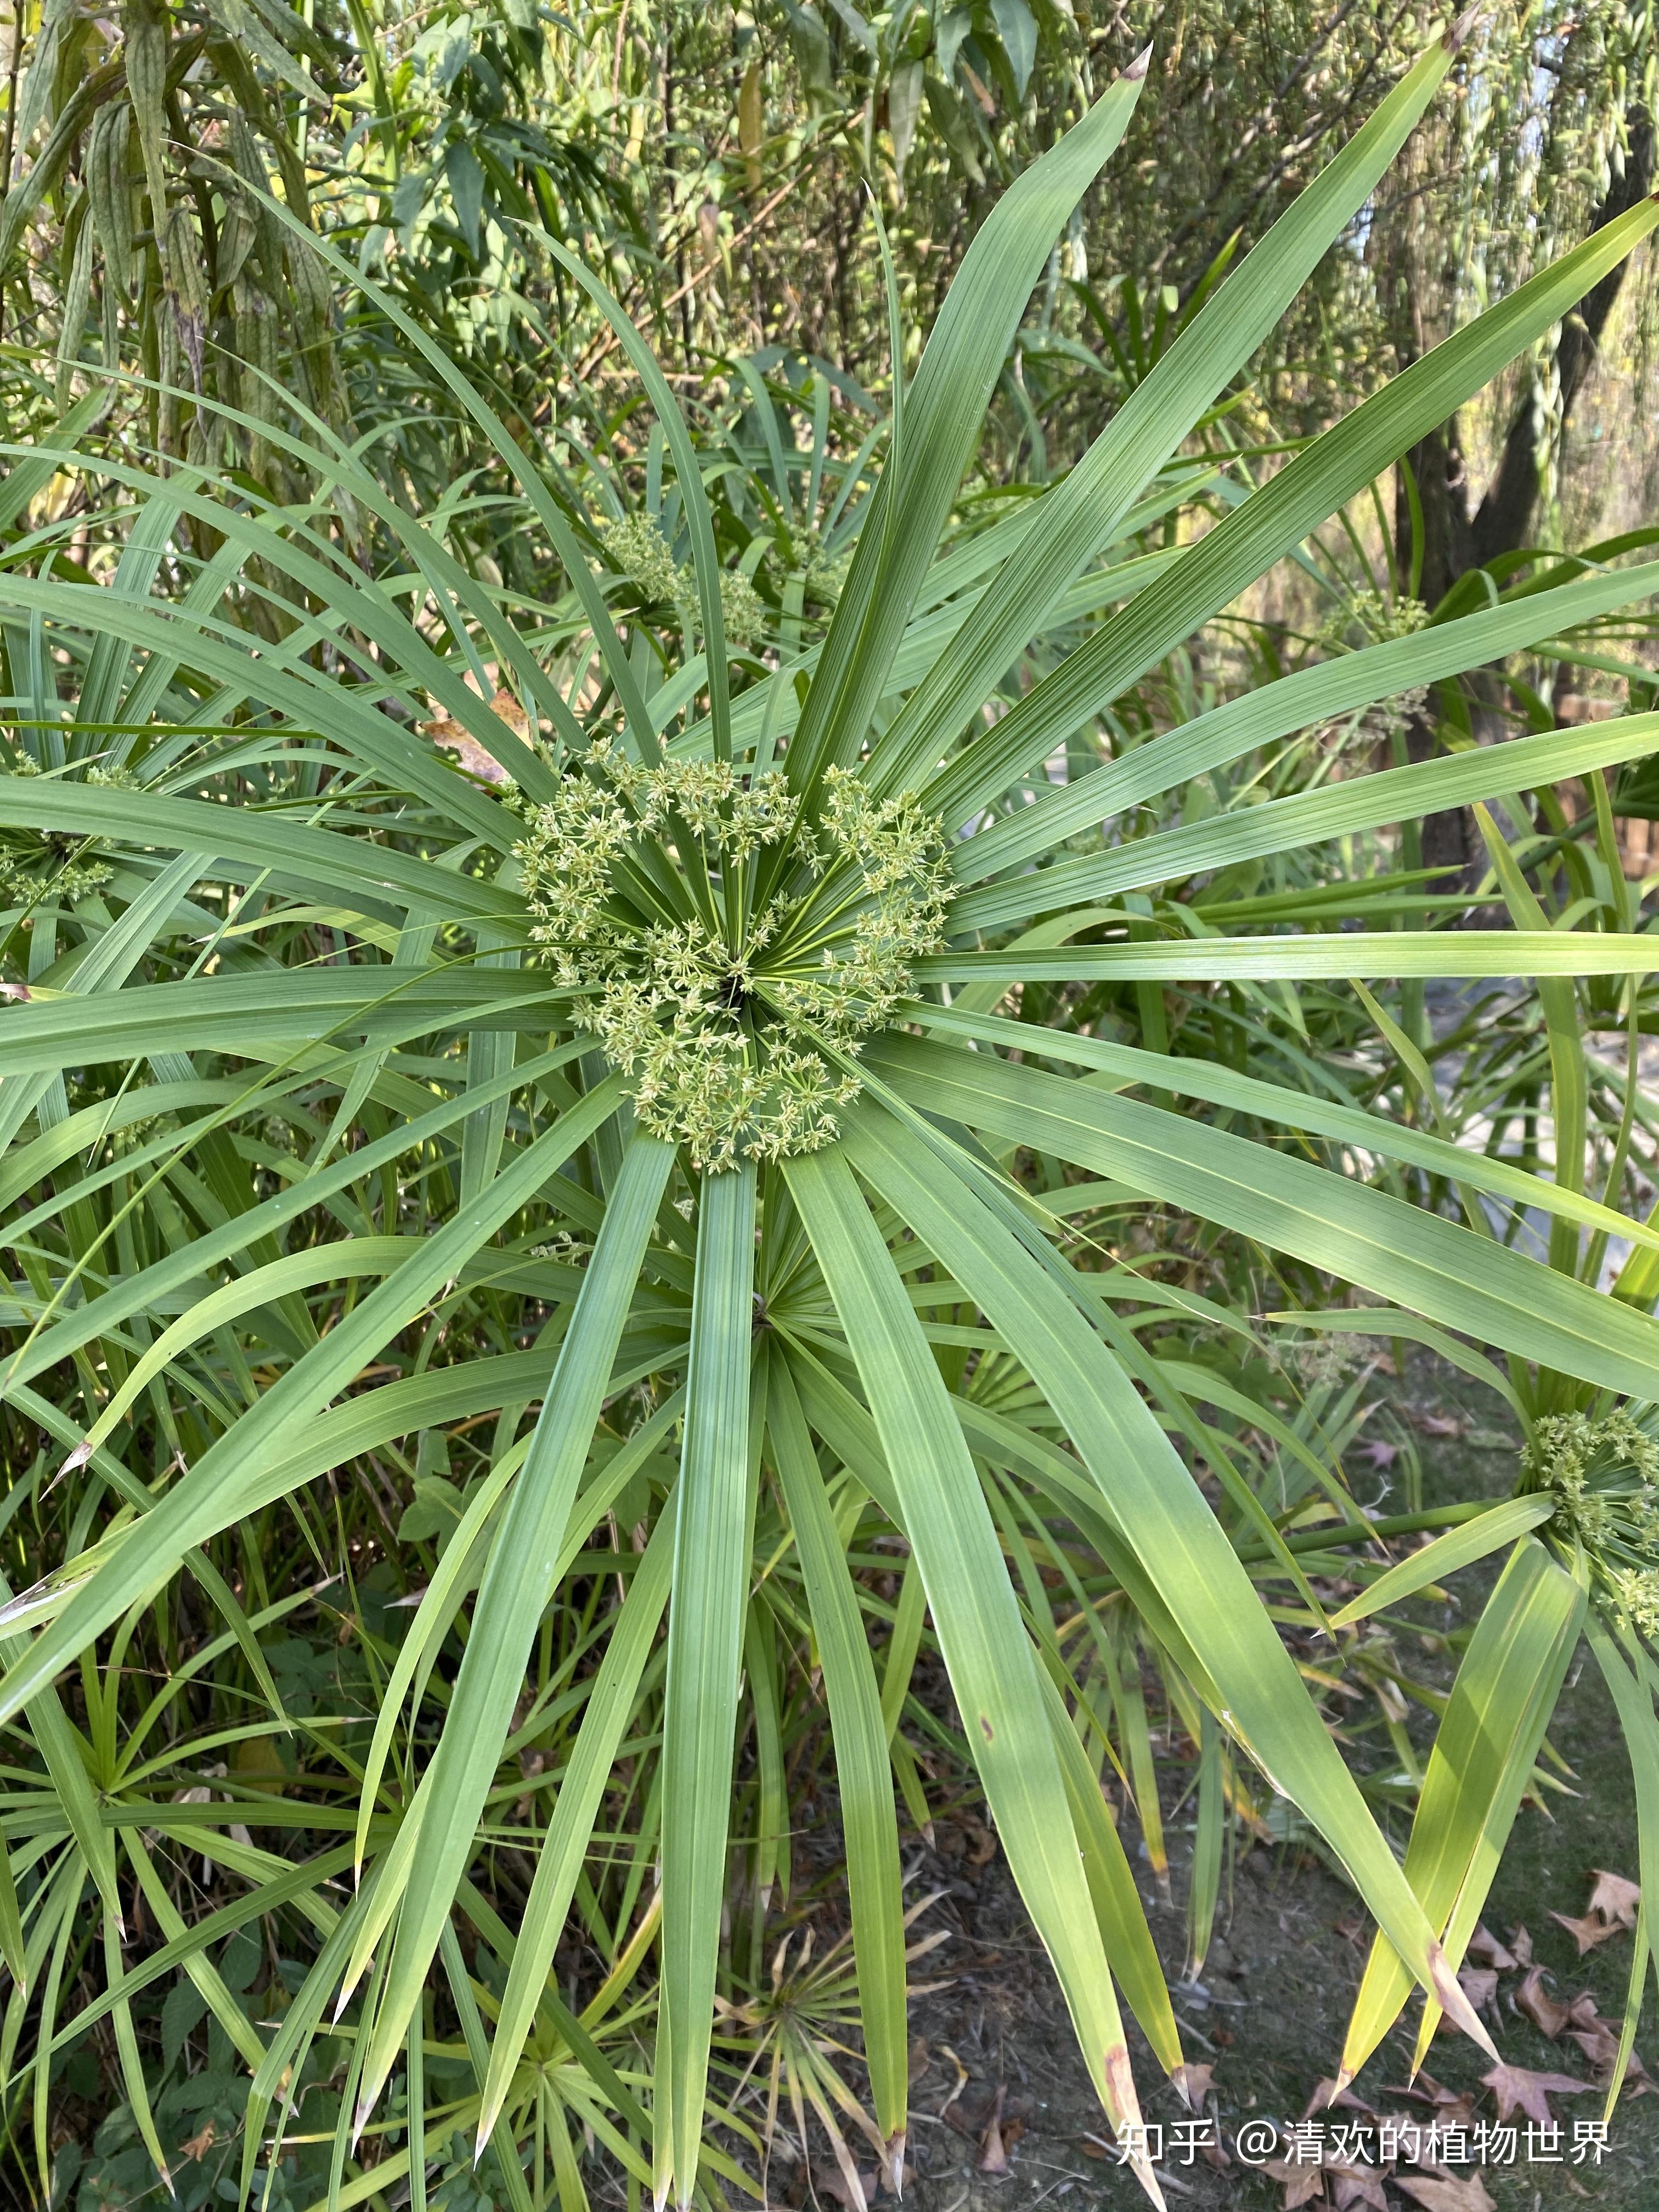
[(666, 1055)]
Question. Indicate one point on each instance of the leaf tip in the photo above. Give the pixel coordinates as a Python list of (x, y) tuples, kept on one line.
[(1139, 67), (1454, 2004), (1458, 30)]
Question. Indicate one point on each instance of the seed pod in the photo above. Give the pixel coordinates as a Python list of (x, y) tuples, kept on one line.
[(110, 192)]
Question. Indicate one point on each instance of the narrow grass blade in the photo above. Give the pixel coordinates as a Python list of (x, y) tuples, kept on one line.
[(440, 1829), (210, 1496), (1273, 521), (863, 1774), (1458, 1547), (1365, 802), (705, 1644)]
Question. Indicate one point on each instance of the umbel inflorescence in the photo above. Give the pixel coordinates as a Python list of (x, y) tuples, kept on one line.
[(1604, 1476), (734, 1019)]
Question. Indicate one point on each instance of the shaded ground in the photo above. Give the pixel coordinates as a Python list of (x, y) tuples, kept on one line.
[(1270, 2014)]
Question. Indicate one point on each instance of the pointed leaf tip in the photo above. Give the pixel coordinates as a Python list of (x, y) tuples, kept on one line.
[(1142, 62), (1454, 2004), (1459, 30)]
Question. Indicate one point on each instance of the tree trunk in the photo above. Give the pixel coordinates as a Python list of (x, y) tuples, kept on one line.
[(1454, 541)]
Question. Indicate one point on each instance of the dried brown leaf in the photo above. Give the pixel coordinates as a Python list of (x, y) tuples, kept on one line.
[(1614, 1898), (1535, 2002), (1590, 1930), (993, 2154), (1302, 2184), (1195, 2084), (1485, 1947), (1479, 1984), (1518, 2089), (1327, 2095), (1462, 2192), (1358, 2185)]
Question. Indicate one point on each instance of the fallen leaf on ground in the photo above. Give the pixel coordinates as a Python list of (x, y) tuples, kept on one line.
[(852, 2189), (1599, 2043), (1438, 1425), (920, 2058), (1358, 2185), (1485, 1947), (1479, 1984), (1521, 1944), (1614, 1898), (1327, 2095), (1302, 2184), (1534, 2001), (1590, 1930), (992, 2156), (1195, 2084), (1463, 2192), (1425, 2090), (1517, 2089), (981, 1848)]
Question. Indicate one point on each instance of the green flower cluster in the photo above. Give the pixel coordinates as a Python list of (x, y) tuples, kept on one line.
[(635, 545), (734, 1027), (1367, 618), (39, 865), (1605, 1474)]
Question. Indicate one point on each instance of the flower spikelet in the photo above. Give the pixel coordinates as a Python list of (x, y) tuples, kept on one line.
[(1604, 1474), (733, 1028)]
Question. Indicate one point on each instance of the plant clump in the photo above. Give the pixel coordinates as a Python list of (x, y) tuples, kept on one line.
[(1604, 1475), (734, 1019)]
